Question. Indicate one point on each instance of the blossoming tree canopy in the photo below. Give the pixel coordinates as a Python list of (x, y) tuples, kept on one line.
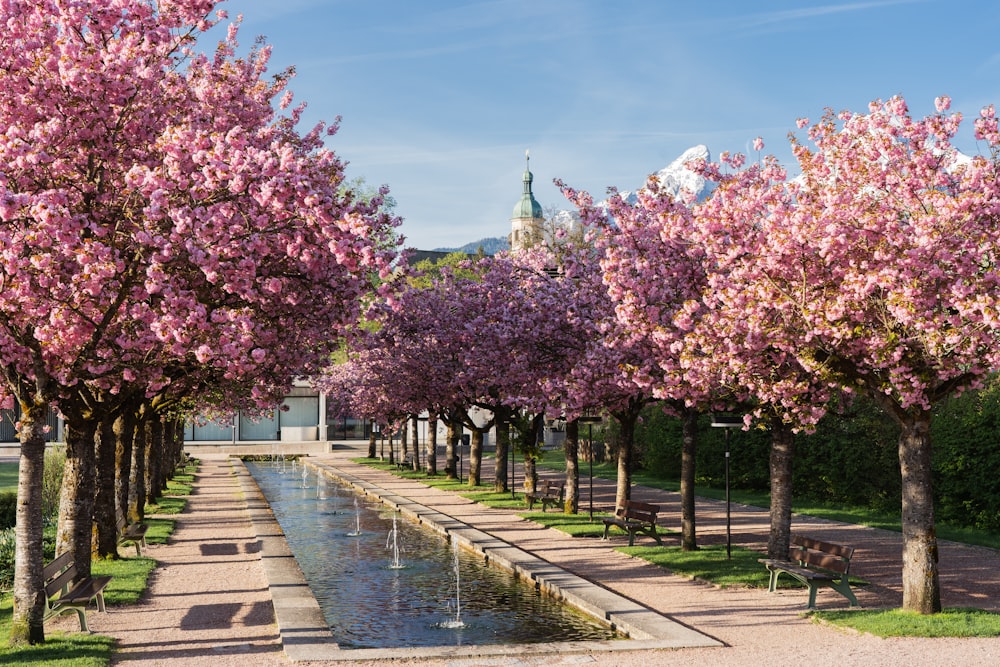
[(160, 210), (876, 269), (174, 194)]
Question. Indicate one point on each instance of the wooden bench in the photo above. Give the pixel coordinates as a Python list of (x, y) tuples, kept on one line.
[(634, 517), (62, 595), (405, 463), (134, 533), (815, 564), (548, 494)]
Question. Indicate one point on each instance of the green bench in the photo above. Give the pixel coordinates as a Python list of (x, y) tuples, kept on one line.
[(634, 518), (132, 533), (406, 462), (816, 564), (63, 595), (547, 493)]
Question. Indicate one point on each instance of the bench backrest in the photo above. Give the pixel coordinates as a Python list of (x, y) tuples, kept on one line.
[(57, 565), (59, 574), (638, 511), (825, 555)]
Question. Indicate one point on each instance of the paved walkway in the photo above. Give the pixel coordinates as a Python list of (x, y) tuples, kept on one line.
[(209, 602)]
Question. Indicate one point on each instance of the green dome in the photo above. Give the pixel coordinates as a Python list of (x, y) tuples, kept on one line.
[(528, 207)]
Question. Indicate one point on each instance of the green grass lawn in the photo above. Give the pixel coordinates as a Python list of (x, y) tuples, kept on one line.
[(8, 476), (955, 622)]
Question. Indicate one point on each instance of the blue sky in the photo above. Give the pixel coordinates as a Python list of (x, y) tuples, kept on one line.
[(440, 99)]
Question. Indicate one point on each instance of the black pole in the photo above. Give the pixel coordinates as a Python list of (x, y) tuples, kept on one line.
[(729, 540), (510, 449), (590, 433)]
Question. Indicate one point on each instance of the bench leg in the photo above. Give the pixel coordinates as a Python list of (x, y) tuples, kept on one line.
[(812, 595), (844, 589), (82, 615), (772, 584), (631, 538)]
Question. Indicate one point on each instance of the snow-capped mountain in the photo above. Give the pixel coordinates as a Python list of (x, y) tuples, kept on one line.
[(676, 177)]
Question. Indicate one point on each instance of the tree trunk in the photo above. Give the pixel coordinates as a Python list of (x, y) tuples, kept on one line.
[(26, 626), (782, 455), (571, 451), (371, 443), (475, 458), (921, 583), (124, 428), (431, 457), (76, 505), (689, 447), (451, 449), (415, 430), (500, 478), (404, 440), (626, 448), (154, 460), (137, 472), (172, 453), (105, 501)]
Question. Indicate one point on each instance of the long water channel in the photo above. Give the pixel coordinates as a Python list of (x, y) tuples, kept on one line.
[(384, 582)]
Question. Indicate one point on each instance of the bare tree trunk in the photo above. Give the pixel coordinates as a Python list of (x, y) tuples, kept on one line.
[(450, 449), (475, 458), (500, 480), (154, 460), (404, 441), (124, 429), (415, 430), (921, 582), (137, 472), (371, 443), (26, 626), (782, 455), (626, 452), (571, 451), (431, 457), (76, 505), (689, 446), (105, 510)]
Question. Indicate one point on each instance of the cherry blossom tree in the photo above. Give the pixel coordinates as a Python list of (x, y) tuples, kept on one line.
[(639, 323), (156, 215), (876, 271)]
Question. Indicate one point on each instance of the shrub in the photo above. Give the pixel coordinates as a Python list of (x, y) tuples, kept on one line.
[(8, 509), (6, 559), (55, 461)]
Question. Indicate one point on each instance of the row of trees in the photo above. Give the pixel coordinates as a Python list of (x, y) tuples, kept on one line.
[(873, 272), (170, 243)]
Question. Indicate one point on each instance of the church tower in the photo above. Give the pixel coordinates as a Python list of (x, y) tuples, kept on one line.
[(526, 222)]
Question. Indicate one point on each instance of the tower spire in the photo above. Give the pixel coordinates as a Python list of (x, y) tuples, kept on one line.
[(527, 218)]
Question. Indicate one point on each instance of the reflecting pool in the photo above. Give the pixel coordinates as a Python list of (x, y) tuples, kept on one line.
[(385, 582)]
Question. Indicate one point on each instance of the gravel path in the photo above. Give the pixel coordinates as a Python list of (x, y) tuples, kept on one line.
[(208, 602)]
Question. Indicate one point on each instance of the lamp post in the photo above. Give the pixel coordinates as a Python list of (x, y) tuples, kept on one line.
[(727, 422), (590, 421)]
